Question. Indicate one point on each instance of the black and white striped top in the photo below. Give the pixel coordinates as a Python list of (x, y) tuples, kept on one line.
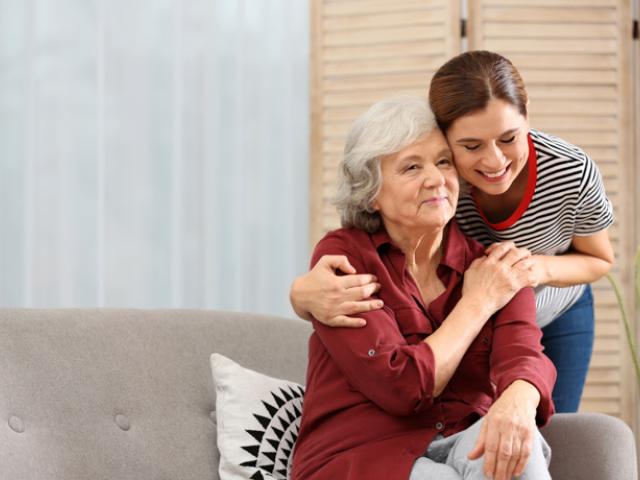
[(565, 198)]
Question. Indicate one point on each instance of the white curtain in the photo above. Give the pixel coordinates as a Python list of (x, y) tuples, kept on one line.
[(153, 153)]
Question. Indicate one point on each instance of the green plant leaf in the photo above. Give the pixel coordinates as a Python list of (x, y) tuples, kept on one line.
[(637, 276), (627, 327)]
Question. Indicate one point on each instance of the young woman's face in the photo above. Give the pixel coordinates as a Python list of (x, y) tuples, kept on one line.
[(490, 147)]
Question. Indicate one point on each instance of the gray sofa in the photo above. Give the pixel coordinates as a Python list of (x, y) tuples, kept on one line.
[(127, 394)]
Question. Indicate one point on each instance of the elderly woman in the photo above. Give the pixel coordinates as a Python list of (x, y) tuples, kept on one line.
[(448, 380)]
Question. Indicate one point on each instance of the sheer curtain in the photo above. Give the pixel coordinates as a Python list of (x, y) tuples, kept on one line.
[(153, 153)]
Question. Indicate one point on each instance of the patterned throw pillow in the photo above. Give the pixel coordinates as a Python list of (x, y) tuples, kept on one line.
[(258, 419)]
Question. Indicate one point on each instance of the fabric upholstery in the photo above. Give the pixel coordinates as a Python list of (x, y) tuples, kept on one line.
[(128, 394), (68, 374), (591, 446)]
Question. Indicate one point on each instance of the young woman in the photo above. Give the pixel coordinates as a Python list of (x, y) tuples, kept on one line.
[(525, 187)]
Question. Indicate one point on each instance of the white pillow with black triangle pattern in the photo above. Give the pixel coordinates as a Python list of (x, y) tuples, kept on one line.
[(258, 419)]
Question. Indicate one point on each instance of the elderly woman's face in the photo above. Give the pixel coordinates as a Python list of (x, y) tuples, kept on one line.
[(419, 185)]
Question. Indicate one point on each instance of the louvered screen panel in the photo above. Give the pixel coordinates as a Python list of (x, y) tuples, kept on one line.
[(363, 51), (574, 56)]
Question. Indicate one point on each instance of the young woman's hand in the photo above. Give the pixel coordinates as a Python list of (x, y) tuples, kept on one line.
[(333, 298), (493, 280), (507, 432), (537, 267)]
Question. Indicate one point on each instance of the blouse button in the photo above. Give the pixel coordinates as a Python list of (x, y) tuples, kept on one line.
[(440, 426), (371, 352)]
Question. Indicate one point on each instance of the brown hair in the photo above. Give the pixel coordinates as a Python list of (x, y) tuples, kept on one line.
[(466, 84)]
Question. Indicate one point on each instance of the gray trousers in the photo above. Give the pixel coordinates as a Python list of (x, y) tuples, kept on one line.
[(446, 459)]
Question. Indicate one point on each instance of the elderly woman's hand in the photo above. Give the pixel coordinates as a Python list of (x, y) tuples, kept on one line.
[(493, 280), (507, 432), (330, 297)]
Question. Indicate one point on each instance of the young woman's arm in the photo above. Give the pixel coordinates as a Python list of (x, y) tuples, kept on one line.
[(333, 298), (589, 259)]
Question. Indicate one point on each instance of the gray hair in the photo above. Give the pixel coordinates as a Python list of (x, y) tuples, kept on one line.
[(386, 128)]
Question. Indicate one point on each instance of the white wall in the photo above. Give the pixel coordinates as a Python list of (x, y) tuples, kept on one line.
[(153, 153)]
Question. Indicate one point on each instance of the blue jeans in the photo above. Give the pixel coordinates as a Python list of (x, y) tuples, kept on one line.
[(568, 342)]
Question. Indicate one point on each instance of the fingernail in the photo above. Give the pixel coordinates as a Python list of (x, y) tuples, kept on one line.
[(379, 304)]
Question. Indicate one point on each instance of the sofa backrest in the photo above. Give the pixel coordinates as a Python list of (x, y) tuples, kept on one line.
[(126, 394)]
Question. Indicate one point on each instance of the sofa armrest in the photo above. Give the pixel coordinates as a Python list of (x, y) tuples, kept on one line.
[(589, 446)]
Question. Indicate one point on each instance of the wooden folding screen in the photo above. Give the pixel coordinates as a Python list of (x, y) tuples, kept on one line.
[(363, 51), (575, 58)]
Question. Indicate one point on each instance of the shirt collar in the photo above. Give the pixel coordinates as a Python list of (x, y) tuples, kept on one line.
[(454, 250)]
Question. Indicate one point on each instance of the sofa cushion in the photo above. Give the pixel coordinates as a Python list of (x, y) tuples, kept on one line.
[(258, 418), (74, 380)]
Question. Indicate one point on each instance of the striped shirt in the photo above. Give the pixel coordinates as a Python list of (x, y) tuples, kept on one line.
[(565, 197)]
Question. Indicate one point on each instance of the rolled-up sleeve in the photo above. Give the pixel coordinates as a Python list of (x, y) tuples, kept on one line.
[(517, 353), (376, 359)]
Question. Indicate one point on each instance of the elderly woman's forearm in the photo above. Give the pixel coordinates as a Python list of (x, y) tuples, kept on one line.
[(524, 394), (452, 339)]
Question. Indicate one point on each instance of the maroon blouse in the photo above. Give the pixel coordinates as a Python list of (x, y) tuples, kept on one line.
[(369, 409)]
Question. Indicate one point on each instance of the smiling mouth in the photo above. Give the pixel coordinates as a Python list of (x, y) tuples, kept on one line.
[(495, 176)]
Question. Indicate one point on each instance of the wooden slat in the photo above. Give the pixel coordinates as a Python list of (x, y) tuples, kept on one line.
[(377, 81), (557, 15), (380, 7), (553, 3), (364, 99), (605, 154), (575, 107), (383, 36), (588, 139), (557, 123), (550, 30), (577, 78), (607, 345), (393, 19), (610, 328), (553, 60), (412, 64), (604, 376), (610, 407), (387, 50), (516, 44), (602, 359), (596, 391)]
